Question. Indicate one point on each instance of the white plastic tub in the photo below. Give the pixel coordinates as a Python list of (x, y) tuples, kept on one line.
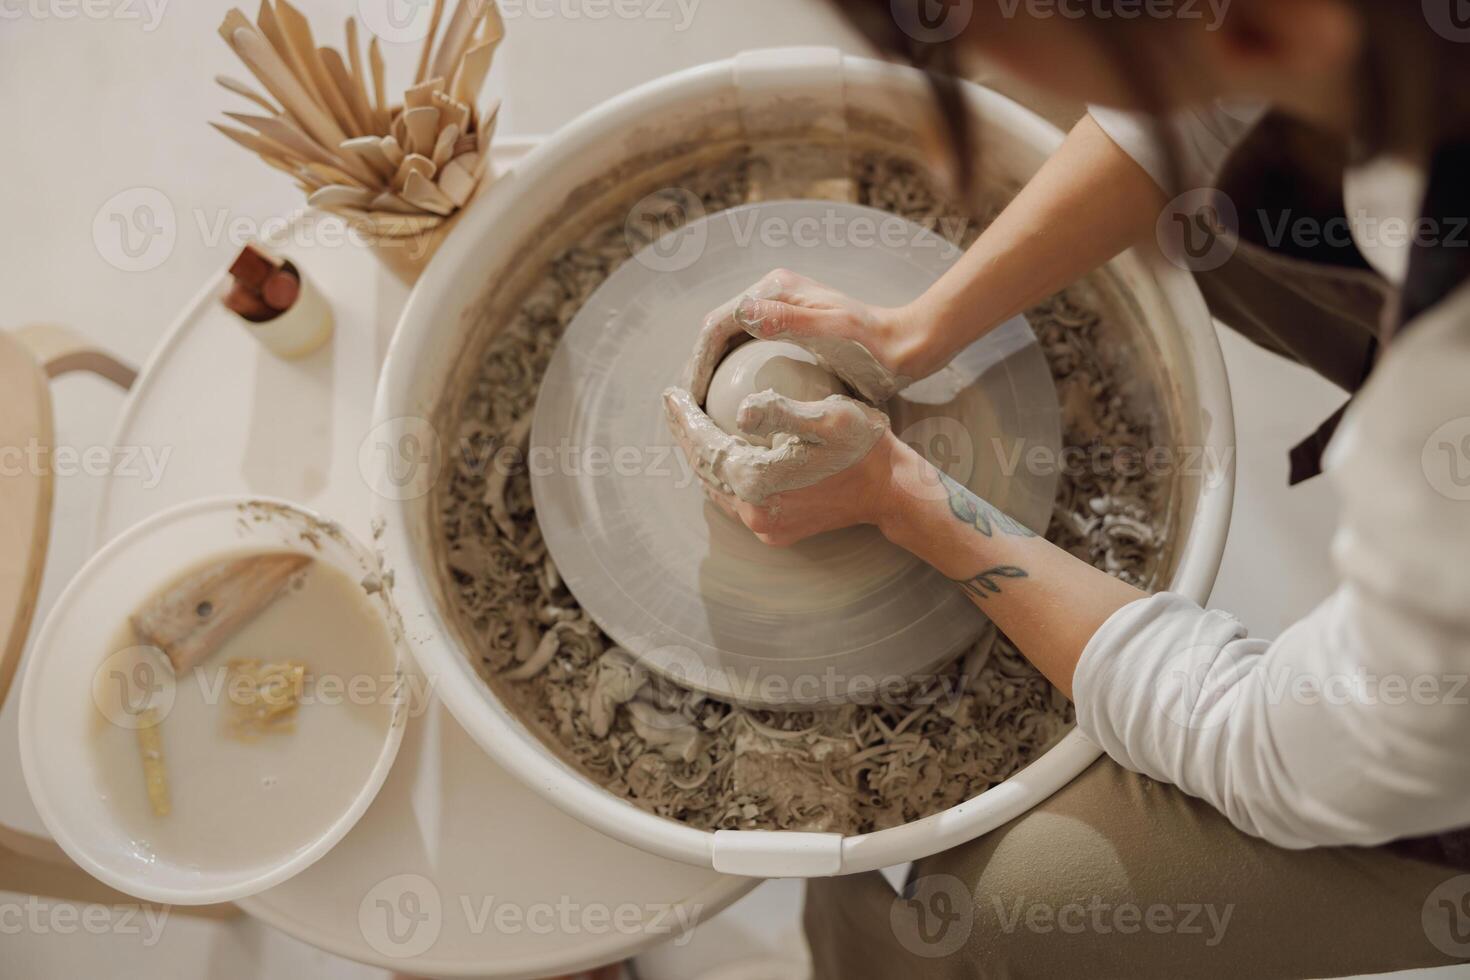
[(636, 139)]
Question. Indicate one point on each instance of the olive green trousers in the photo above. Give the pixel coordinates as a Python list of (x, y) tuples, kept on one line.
[(1119, 876)]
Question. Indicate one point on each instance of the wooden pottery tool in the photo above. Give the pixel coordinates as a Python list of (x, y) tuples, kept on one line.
[(394, 170), (189, 621)]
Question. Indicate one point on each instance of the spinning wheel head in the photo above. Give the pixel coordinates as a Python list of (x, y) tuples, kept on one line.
[(689, 591)]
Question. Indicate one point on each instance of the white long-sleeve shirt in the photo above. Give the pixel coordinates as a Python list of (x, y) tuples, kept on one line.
[(1353, 727)]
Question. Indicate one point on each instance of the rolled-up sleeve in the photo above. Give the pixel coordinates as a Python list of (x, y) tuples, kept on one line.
[(1201, 139), (1352, 727)]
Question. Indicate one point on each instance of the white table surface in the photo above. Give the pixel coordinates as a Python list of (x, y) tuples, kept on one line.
[(106, 98)]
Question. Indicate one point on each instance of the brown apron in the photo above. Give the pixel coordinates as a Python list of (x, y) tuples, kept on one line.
[(1324, 306), (1320, 304)]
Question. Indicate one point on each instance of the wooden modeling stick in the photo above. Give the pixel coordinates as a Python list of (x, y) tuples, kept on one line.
[(192, 618), (331, 126), (155, 773)]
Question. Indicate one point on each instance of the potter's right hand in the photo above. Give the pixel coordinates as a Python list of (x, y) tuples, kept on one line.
[(810, 442), (875, 350)]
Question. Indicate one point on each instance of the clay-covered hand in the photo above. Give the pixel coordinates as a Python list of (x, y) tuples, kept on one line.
[(810, 442), (871, 348), (868, 491)]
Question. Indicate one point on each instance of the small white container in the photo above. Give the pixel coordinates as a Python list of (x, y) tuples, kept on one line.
[(58, 713), (302, 328)]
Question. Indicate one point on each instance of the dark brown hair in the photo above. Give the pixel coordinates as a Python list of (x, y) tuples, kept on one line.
[(1414, 83), (1413, 99)]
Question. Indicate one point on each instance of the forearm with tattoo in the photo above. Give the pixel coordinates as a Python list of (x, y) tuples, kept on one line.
[(988, 520), (982, 516), (987, 583)]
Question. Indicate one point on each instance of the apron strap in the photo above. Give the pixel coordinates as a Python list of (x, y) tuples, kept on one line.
[(1438, 264), (1306, 456)]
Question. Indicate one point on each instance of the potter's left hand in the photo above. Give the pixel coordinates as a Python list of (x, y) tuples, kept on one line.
[(873, 349), (818, 449)]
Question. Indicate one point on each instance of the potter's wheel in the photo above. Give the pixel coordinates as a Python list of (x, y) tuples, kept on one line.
[(691, 592)]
